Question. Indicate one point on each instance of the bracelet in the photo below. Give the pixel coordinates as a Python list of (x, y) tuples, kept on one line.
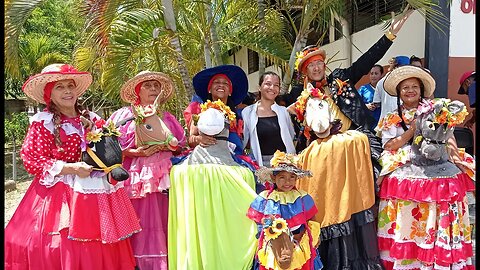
[(390, 35)]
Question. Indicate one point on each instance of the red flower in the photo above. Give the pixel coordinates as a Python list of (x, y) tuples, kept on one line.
[(392, 228), (99, 123), (416, 214), (445, 221)]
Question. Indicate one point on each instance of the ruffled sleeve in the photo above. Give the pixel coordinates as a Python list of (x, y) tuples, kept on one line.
[(175, 128), (38, 152), (193, 108), (127, 139)]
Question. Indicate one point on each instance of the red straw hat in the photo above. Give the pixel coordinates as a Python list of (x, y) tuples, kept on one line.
[(34, 87)]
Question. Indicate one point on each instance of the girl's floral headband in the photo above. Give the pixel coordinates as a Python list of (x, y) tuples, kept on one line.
[(101, 129), (219, 105)]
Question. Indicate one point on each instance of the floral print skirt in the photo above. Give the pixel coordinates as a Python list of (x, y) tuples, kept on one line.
[(423, 221)]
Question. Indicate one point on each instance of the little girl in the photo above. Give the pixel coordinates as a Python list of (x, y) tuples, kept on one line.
[(287, 236)]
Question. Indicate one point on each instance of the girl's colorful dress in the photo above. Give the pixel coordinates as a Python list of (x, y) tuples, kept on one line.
[(297, 208), (65, 221), (423, 220), (209, 196), (149, 179)]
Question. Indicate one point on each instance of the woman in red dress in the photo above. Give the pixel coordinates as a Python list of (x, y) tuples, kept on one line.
[(71, 217)]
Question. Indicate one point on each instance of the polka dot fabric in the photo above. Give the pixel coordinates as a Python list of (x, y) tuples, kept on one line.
[(55, 227)]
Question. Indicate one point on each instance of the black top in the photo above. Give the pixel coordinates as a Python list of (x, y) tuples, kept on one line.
[(268, 133)]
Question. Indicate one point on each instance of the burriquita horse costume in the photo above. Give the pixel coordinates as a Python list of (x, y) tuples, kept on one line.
[(65, 221), (209, 196), (342, 185), (423, 219), (148, 125)]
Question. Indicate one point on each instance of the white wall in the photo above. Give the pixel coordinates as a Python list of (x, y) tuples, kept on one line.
[(410, 40), (462, 29)]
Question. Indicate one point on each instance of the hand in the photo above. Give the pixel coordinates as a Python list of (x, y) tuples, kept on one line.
[(205, 140), (397, 22), (146, 150), (371, 106), (82, 169), (413, 125), (87, 123)]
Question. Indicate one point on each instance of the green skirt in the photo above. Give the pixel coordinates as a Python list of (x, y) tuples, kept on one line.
[(207, 223)]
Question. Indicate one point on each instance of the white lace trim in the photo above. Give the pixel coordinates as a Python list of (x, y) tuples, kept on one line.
[(88, 185), (47, 118), (50, 176)]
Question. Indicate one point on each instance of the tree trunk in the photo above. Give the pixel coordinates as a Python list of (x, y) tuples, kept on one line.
[(170, 24), (208, 54), (261, 18), (213, 33), (300, 42)]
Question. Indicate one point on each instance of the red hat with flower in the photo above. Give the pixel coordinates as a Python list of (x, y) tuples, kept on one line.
[(35, 86)]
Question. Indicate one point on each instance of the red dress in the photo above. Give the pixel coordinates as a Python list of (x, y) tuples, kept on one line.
[(64, 221)]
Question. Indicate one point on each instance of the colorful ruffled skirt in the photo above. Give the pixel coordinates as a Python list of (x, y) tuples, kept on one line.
[(423, 220), (147, 185), (72, 223), (207, 226)]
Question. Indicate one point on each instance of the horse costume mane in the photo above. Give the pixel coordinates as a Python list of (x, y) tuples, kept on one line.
[(214, 120), (103, 150), (149, 126), (435, 123)]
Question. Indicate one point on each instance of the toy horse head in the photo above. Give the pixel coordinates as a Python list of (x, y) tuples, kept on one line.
[(103, 150), (150, 128), (435, 125), (313, 108), (277, 234)]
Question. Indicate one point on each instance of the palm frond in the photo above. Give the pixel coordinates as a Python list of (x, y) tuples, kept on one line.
[(16, 13)]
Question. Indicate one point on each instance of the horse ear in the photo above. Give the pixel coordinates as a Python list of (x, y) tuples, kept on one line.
[(156, 103), (437, 107), (455, 106), (134, 110)]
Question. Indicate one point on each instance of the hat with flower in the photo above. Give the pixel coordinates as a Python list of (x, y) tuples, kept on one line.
[(280, 162), (307, 55), (39, 87), (130, 90)]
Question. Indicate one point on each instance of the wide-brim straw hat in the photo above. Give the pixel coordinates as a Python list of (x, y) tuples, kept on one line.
[(127, 92), (399, 74), (264, 174), (309, 52), (34, 87), (234, 73)]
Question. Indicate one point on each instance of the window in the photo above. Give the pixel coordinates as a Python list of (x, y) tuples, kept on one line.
[(252, 61), (362, 14)]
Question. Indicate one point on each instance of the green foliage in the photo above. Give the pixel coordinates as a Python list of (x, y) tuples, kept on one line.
[(16, 127)]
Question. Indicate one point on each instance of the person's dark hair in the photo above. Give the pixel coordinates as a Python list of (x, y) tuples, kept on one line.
[(414, 58), (249, 99), (262, 77), (379, 67), (422, 96), (51, 107)]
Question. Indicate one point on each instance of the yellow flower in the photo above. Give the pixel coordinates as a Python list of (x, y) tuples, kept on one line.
[(93, 136), (418, 139), (270, 233), (279, 225)]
